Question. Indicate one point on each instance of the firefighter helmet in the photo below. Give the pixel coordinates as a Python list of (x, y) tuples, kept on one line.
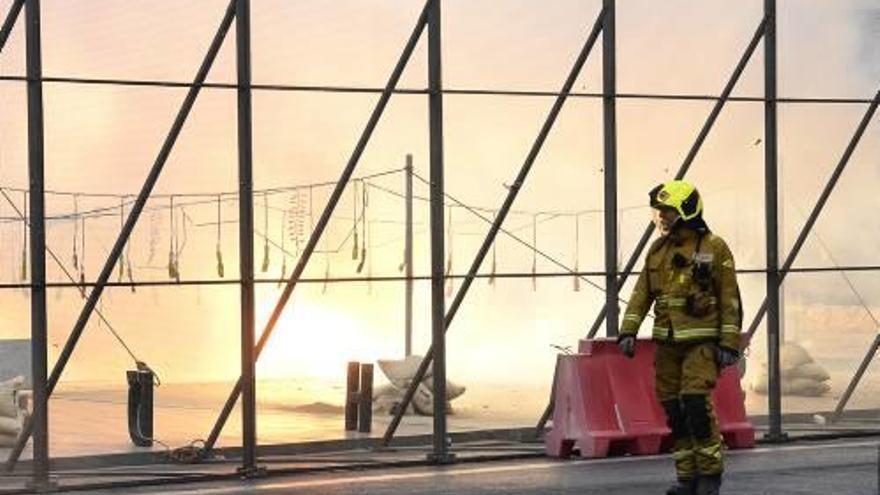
[(680, 196)]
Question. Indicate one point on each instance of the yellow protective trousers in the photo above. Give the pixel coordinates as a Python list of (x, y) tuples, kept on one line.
[(685, 376)]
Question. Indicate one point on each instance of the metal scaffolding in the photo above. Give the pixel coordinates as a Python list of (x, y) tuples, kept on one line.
[(428, 19)]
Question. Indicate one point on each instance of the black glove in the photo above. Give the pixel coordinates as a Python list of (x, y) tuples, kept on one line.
[(725, 356), (627, 345)]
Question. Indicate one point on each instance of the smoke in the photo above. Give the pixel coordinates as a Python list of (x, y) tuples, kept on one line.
[(867, 20)]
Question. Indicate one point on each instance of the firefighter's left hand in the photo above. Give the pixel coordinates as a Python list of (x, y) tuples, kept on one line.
[(726, 356)]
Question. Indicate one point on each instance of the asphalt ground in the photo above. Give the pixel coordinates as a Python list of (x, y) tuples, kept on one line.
[(831, 467)]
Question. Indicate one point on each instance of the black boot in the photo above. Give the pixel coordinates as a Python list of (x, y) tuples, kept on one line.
[(682, 487), (709, 485)]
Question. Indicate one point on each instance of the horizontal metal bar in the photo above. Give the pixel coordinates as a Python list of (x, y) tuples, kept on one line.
[(417, 278), (425, 91)]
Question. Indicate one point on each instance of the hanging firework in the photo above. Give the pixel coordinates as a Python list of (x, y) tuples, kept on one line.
[(121, 225), (172, 262), (75, 231), (368, 240), (283, 250), (219, 252), (494, 258), (180, 245), (364, 200), (154, 237), (128, 265), (265, 266), (577, 250), (82, 261), (354, 220), (24, 237), (450, 283)]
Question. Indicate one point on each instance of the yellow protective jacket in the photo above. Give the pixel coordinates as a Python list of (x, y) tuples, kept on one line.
[(668, 282)]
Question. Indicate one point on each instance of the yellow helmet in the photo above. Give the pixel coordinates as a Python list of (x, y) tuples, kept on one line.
[(680, 196)]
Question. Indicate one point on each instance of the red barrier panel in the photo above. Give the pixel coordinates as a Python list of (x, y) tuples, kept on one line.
[(605, 403)]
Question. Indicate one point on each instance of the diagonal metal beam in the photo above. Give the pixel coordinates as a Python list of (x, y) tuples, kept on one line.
[(130, 222), (9, 22), (325, 217), (686, 165), (499, 219), (820, 204)]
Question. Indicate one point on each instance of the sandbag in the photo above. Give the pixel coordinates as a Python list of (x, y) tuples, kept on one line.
[(423, 400), (16, 383), (386, 398), (8, 389), (453, 390), (8, 408), (401, 371), (805, 388), (794, 355), (7, 440), (809, 371), (10, 426)]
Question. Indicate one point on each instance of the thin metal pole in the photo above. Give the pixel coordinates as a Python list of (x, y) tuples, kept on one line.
[(499, 219), (609, 107), (440, 454), (130, 222), (408, 257), (39, 321), (246, 239), (321, 225), (9, 22), (851, 388), (771, 205), (685, 166), (819, 206)]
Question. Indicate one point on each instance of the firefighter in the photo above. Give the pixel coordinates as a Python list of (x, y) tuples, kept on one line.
[(690, 278)]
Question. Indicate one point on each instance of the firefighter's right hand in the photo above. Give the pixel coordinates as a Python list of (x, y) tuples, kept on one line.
[(627, 345)]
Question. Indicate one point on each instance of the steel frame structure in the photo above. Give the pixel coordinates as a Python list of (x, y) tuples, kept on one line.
[(429, 19)]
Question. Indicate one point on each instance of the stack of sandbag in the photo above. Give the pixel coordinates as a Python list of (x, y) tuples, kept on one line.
[(400, 373), (11, 416), (801, 375)]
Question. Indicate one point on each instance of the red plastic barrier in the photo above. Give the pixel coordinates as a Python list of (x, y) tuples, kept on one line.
[(605, 403)]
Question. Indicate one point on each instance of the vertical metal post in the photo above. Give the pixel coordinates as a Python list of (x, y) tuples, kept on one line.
[(39, 323), (408, 257), (246, 238), (609, 106), (771, 190), (440, 454)]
